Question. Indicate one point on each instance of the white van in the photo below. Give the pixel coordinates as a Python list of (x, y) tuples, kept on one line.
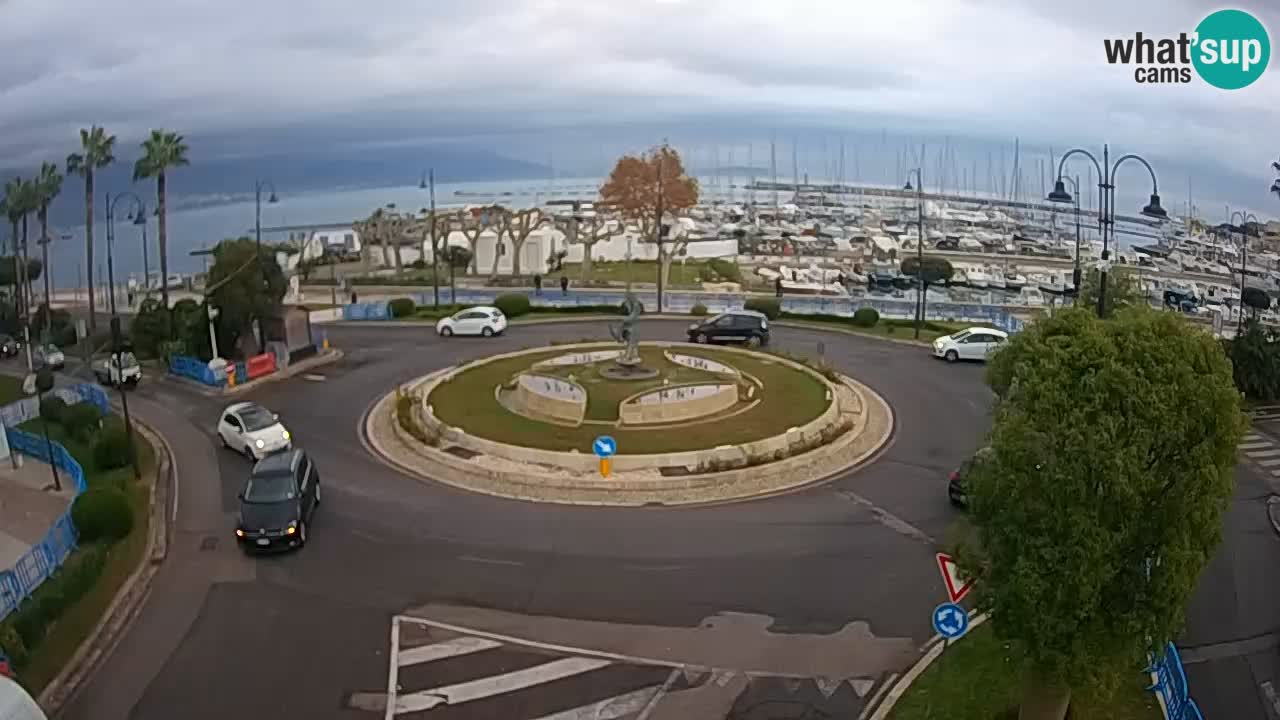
[(16, 704)]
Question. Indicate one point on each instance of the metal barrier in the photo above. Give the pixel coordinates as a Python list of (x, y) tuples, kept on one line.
[(46, 556), (366, 311), (20, 411), (1170, 686), (194, 369)]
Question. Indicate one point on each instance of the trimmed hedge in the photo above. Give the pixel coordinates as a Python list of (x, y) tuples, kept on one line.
[(102, 513), (699, 310), (22, 632), (53, 408), (111, 450), (769, 307), (401, 307), (866, 317), (81, 420), (512, 304)]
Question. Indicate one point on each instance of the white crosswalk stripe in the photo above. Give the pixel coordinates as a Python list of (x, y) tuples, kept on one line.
[(497, 684), (446, 649)]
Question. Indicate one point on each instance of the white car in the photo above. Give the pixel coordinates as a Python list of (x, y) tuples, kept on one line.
[(50, 355), (253, 430), (483, 320), (975, 343)]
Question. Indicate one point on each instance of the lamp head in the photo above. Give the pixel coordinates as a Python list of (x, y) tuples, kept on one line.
[(908, 186), (1060, 194), (140, 217), (272, 199), (1153, 209)]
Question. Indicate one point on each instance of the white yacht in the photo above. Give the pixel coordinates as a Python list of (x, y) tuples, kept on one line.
[(1031, 296), (1014, 280), (977, 277), (995, 278)]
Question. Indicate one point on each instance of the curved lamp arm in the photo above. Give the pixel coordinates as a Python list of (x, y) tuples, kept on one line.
[(1062, 162), (1155, 190)]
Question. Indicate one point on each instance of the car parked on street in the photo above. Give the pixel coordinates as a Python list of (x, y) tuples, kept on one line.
[(975, 343), (253, 430), (956, 492), (278, 502), (49, 356), (9, 346), (482, 320), (118, 370), (736, 326)]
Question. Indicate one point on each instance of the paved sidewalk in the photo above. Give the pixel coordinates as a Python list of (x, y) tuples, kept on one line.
[(27, 509)]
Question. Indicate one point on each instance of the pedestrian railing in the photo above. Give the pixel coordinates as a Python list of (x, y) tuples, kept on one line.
[(46, 556), (1170, 686), (193, 369), (20, 411)]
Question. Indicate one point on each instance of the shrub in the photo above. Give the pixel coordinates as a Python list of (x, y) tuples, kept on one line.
[(418, 264), (65, 587), (512, 304), (111, 451), (102, 514), (866, 317), (81, 420), (769, 307), (699, 310), (401, 307), (725, 270), (53, 408), (621, 308)]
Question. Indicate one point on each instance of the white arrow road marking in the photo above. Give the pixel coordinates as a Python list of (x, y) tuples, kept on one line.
[(497, 684), (827, 686), (447, 649)]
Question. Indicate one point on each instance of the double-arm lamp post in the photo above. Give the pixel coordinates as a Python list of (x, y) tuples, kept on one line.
[(919, 188), (1245, 218), (258, 187), (1106, 206), (138, 209)]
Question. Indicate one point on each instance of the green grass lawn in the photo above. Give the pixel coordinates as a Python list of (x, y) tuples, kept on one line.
[(980, 678), (76, 622), (790, 398)]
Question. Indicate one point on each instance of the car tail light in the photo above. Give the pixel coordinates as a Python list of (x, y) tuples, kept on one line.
[(955, 475)]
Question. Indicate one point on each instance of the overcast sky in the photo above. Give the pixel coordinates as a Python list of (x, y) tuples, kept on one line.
[(1032, 68)]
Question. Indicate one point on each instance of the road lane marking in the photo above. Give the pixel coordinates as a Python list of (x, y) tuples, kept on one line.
[(446, 649), (1254, 445), (489, 561), (1269, 463), (1255, 454), (618, 706), (392, 674), (888, 519), (662, 691), (497, 684)]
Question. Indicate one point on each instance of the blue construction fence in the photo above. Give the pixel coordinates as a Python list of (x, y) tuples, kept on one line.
[(683, 302), (1171, 685), (46, 556), (195, 369), (20, 411)]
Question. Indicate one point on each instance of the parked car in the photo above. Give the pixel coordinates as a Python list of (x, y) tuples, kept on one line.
[(742, 326), (956, 481), (483, 320), (277, 502), (253, 430), (49, 355), (9, 346), (122, 369), (975, 343)]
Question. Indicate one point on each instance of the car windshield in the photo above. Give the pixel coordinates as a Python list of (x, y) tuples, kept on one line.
[(257, 418), (128, 360), (269, 488), (961, 335), (50, 349)]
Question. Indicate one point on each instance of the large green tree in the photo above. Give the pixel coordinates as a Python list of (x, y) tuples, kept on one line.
[(48, 187), (160, 151), (1123, 290), (14, 207), (244, 286), (97, 150), (1101, 500)]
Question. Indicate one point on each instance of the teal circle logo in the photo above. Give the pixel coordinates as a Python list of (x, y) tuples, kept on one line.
[(1231, 49)]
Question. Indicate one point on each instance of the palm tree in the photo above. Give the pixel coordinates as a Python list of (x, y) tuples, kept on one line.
[(161, 151), (21, 199), (12, 207), (48, 185), (97, 150)]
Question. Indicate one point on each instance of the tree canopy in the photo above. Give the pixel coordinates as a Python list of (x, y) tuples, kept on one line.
[(633, 185), (1101, 499), (930, 270), (1256, 298), (1123, 290), (244, 286)]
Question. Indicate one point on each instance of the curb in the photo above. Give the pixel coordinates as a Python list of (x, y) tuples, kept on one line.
[(883, 701), (131, 595)]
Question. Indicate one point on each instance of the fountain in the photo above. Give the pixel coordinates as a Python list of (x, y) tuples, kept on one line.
[(629, 365)]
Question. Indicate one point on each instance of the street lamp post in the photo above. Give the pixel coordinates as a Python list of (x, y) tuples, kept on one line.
[(1075, 272), (258, 187), (117, 342), (1244, 258), (919, 245), (141, 220), (1106, 207)]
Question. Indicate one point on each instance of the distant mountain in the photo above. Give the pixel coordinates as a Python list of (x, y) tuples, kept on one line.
[(227, 179)]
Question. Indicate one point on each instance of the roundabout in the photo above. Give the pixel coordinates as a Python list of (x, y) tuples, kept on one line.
[(802, 601), (691, 424)]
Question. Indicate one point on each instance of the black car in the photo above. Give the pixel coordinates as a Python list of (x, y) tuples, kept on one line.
[(278, 501), (9, 346), (955, 483), (742, 326)]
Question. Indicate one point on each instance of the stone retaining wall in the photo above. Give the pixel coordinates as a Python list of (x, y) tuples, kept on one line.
[(634, 412), (536, 403)]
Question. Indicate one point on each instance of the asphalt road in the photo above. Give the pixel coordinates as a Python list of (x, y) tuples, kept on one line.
[(308, 634)]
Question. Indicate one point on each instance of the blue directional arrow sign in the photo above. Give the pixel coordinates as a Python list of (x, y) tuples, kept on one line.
[(950, 620), (604, 446)]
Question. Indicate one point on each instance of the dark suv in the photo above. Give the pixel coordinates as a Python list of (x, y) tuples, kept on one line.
[(278, 501), (742, 326), (955, 483)]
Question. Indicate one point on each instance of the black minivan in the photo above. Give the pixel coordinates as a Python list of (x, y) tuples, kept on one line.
[(278, 501), (742, 326)]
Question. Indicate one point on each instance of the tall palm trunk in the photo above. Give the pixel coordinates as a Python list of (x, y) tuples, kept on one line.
[(17, 303), (88, 244), (164, 255), (44, 272), (25, 271)]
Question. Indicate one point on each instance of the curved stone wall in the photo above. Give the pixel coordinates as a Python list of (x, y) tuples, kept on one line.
[(550, 397), (677, 403)]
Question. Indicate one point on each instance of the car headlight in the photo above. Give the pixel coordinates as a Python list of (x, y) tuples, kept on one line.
[(293, 528), (239, 532), (260, 444), (284, 434)]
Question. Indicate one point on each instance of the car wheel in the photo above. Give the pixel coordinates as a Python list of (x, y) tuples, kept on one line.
[(952, 356), (446, 331), (487, 332), (701, 339), (222, 440), (753, 341)]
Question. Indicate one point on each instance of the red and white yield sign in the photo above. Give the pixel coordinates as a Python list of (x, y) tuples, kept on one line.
[(957, 587)]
